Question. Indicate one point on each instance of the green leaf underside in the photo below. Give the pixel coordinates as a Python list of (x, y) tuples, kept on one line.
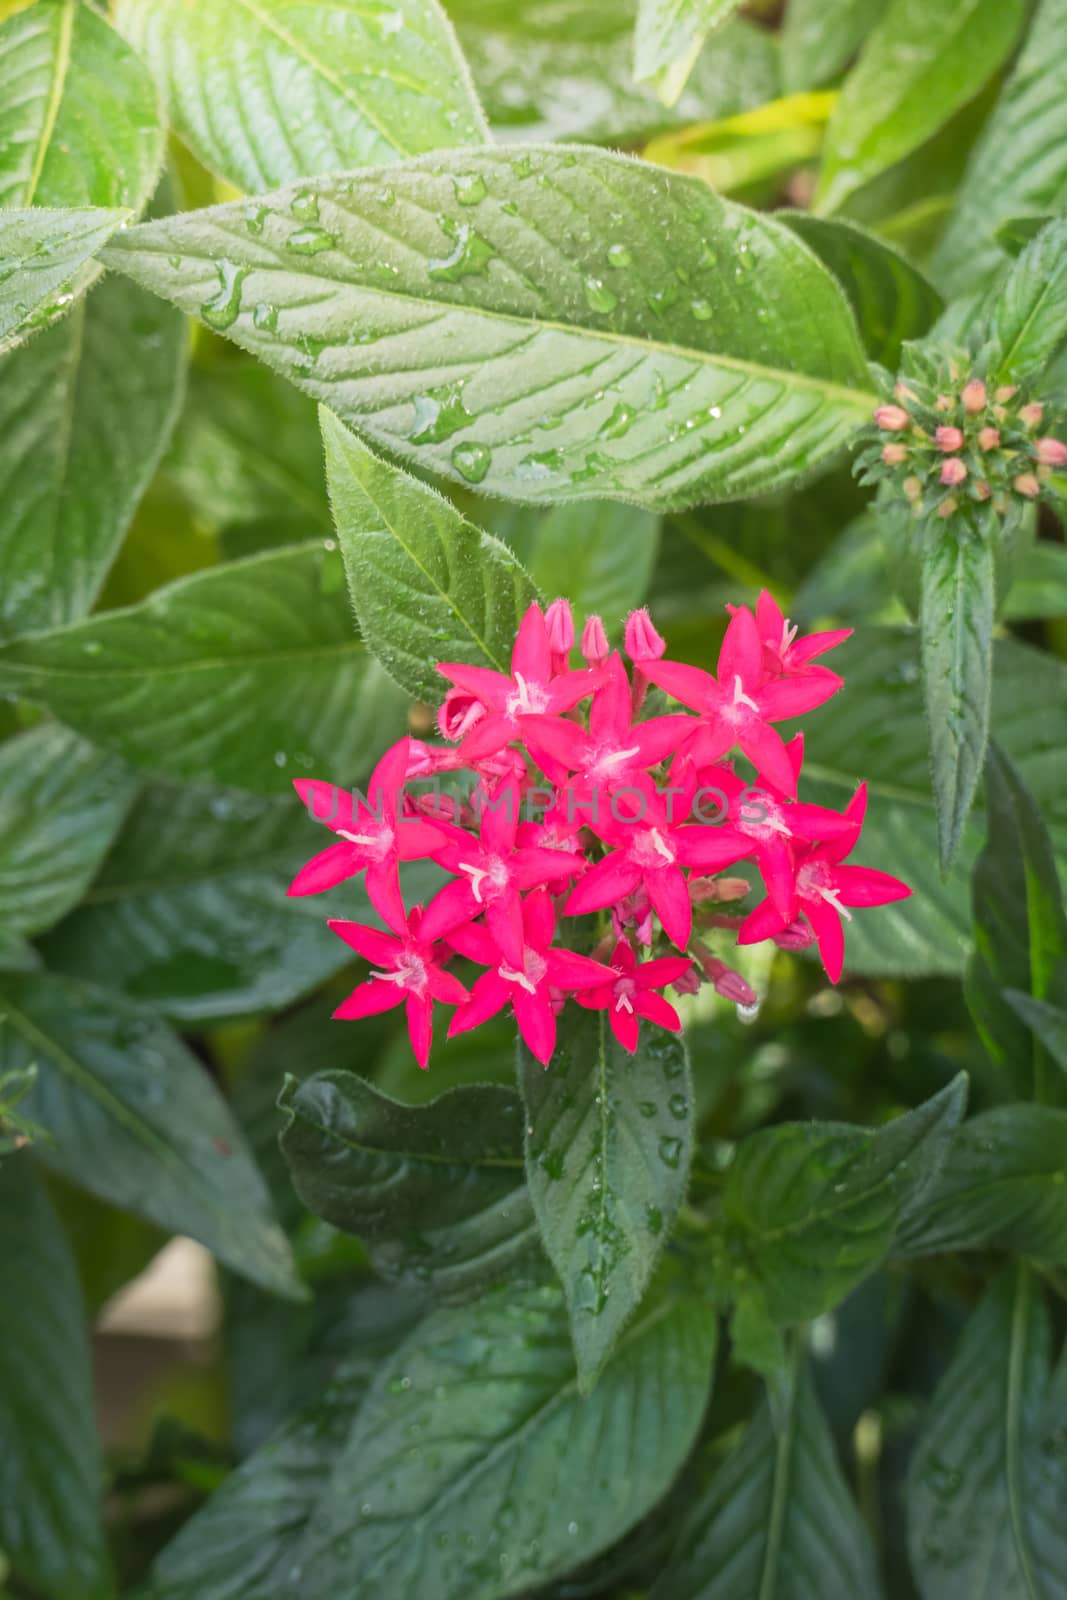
[(918, 67), (608, 1147), (438, 1189), (426, 584), (557, 366), (1030, 313), (820, 36), (989, 1474), (670, 31), (85, 412), (265, 91), (61, 804), (134, 1119), (499, 1498), (778, 1521), (40, 253), (245, 674), (50, 1512)]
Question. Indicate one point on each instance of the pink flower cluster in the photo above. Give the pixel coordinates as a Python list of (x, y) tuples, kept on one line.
[(596, 812)]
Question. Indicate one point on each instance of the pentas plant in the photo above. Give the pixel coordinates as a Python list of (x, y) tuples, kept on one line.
[(581, 806)]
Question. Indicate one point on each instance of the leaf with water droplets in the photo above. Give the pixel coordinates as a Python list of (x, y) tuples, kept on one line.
[(606, 1178), (40, 254), (510, 298)]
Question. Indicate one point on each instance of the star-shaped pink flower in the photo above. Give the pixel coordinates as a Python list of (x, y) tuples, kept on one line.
[(632, 994), (783, 652), (527, 983), (409, 973)]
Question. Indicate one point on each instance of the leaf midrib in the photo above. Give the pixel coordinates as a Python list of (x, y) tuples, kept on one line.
[(1013, 1444), (55, 97)]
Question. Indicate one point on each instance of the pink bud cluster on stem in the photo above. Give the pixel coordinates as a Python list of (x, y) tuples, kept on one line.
[(619, 829)]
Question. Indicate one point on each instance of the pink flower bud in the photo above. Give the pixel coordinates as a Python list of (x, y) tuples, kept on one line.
[(895, 455), (974, 397), (1007, 391), (559, 619), (724, 979), (947, 508), (953, 471), (704, 890), (903, 393), (1032, 413), (913, 490), (438, 807), (892, 418), (642, 641), (595, 647), (989, 438), (459, 713), (688, 983), (944, 402), (983, 488), (948, 439), (1026, 484), (1051, 452), (797, 936)]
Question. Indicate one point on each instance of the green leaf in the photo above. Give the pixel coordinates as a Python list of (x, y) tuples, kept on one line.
[(1019, 163), (778, 1521), (919, 66), (264, 92), (85, 412), (891, 299), (1040, 587), (40, 254), (426, 584), (809, 1209), (608, 1146), (134, 1119), (1048, 1023), (1003, 1186), (675, 348), (61, 804), (599, 554), (669, 36), (438, 1189), (988, 1478), (51, 1526), (79, 122), (190, 912), (522, 1476), (956, 624), (1030, 314), (244, 674), (1017, 232), (820, 37)]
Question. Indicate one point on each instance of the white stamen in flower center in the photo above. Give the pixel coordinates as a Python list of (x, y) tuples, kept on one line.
[(495, 875), (409, 973), (651, 849), (532, 697), (535, 967), (625, 988), (740, 697), (814, 879), (379, 842), (605, 760), (788, 635), (773, 822)]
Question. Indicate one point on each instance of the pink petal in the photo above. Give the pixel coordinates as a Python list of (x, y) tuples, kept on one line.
[(768, 754), (420, 1027), (491, 688), (333, 807), (792, 697), (826, 926), (655, 1009), (855, 814), (539, 919), (741, 654), (557, 738), (625, 1027), (596, 999), (816, 644), (386, 784), (450, 907), (669, 893), (380, 948), (777, 869), (863, 886), (503, 918), (663, 970), (329, 868), (537, 1022), (383, 891), (566, 969), (417, 839), (489, 995), (708, 847), (565, 691), (658, 738), (536, 865), (369, 999), (474, 941), (818, 822), (762, 922), (489, 737), (532, 652), (623, 958), (603, 884), (688, 684), (445, 986), (609, 715), (769, 618)]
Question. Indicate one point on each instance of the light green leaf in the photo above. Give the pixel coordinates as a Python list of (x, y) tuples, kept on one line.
[(778, 1521), (608, 1146), (79, 122), (1019, 164), (51, 1525), (426, 584), (956, 624), (669, 36), (1017, 232), (673, 348), (891, 299), (244, 674), (1029, 316), (1040, 587), (989, 1476), (134, 1118), (438, 1189), (508, 1451), (40, 254), (85, 412), (1003, 1186), (919, 66), (820, 37), (61, 804), (265, 91)]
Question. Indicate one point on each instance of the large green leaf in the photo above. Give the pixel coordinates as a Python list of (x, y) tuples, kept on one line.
[(919, 66), (51, 1527), (245, 674), (668, 38), (476, 1470), (608, 1144), (40, 254), (1019, 164), (989, 1475), (890, 297), (426, 584), (437, 1189), (1040, 586), (265, 91), (665, 347), (819, 37), (778, 1521), (79, 123), (61, 804), (1003, 1186), (1030, 313), (85, 412), (600, 554), (133, 1118)]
